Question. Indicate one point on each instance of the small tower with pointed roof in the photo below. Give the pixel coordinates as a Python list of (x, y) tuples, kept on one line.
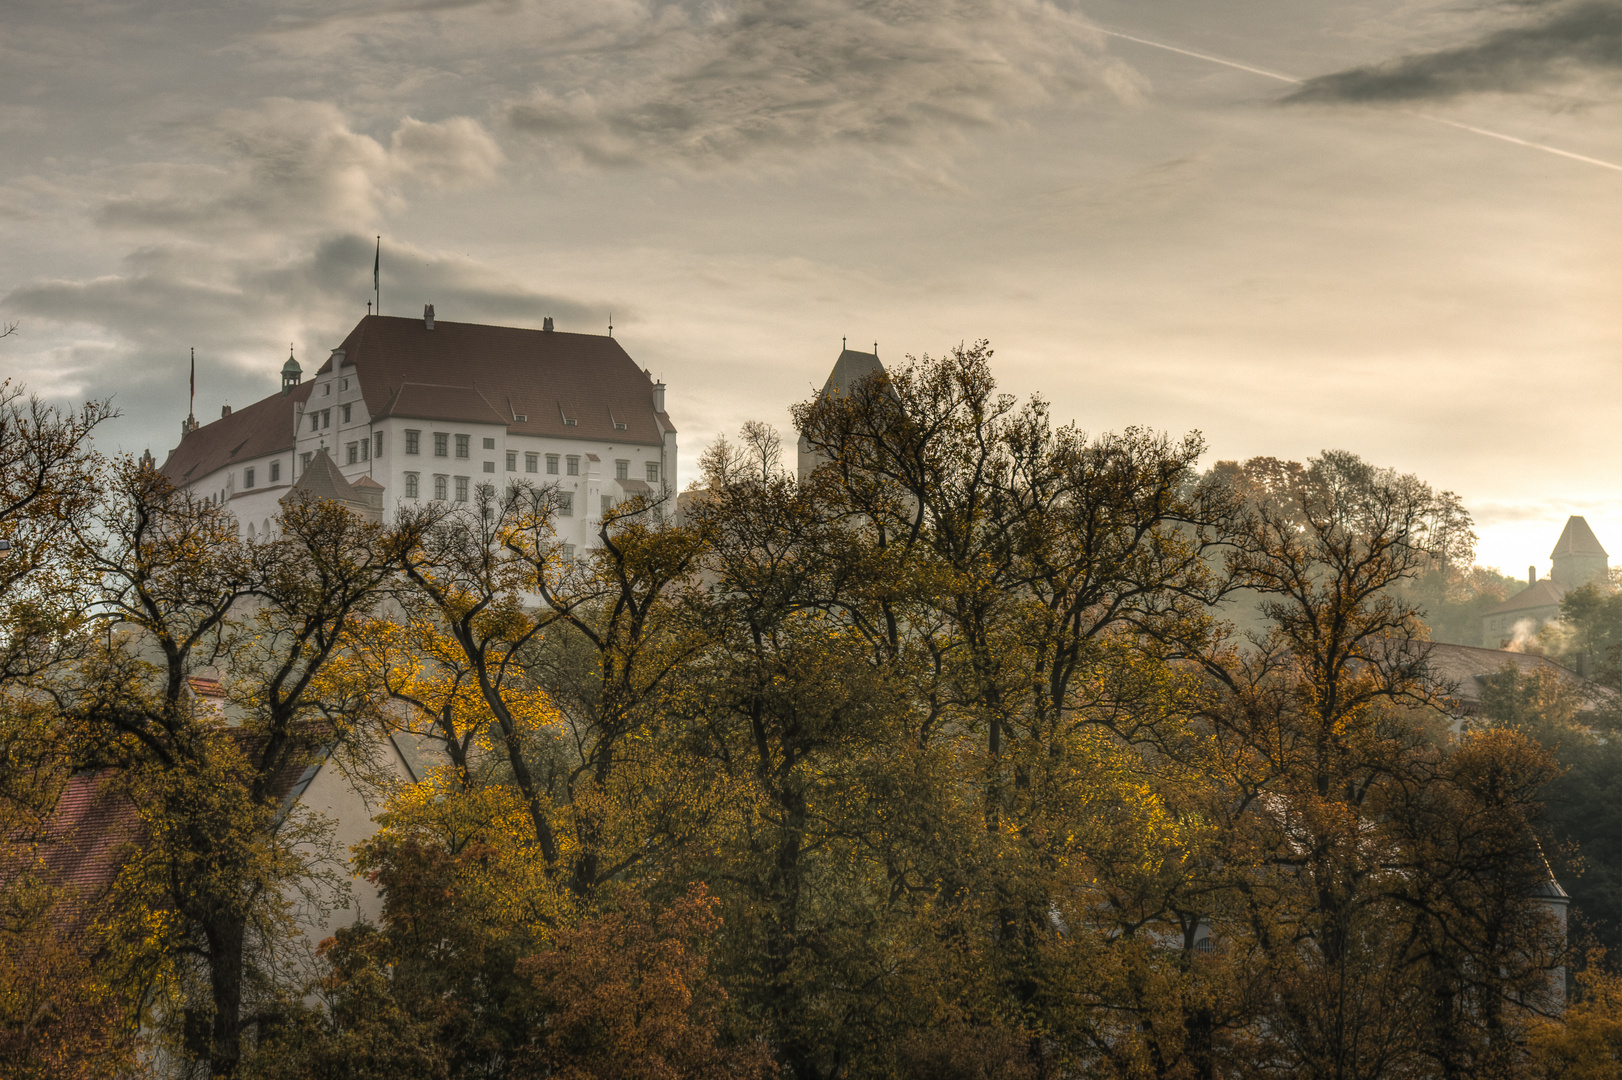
[(291, 373), (849, 370), (1578, 557)]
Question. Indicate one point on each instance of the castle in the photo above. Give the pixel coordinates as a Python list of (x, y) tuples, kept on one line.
[(413, 409), (1577, 559)]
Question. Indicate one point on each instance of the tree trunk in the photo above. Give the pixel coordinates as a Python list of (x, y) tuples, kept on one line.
[(226, 935)]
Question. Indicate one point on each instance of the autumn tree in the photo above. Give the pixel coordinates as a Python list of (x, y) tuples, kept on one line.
[(58, 1016), (203, 903)]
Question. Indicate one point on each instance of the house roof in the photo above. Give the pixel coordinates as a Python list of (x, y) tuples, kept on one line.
[(323, 480), (495, 374), (1577, 539), (97, 825), (265, 427), (1461, 668), (1540, 594)]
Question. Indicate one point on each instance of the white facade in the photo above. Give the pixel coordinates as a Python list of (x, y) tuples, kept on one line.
[(417, 460)]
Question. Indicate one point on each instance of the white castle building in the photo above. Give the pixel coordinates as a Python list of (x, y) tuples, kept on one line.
[(410, 410)]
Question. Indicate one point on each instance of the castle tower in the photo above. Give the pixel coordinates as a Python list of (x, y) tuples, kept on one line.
[(851, 368), (1578, 557)]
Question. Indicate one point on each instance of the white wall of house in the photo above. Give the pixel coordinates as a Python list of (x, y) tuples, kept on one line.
[(584, 469), (350, 808)]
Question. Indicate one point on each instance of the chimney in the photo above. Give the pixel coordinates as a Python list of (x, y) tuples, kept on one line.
[(225, 410), (546, 323), (428, 316), (658, 397), (1531, 575)]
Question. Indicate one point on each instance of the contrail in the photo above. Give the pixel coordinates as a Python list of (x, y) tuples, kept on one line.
[(1423, 116), (1200, 56)]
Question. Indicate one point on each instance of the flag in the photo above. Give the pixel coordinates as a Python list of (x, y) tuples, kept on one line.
[(377, 264), (194, 374)]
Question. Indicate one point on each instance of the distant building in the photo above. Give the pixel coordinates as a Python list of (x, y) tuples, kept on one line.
[(850, 369), (407, 410), (1576, 560)]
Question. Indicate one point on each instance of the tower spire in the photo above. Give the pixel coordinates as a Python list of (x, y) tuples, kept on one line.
[(191, 399)]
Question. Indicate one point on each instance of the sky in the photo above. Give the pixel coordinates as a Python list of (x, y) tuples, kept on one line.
[(1387, 226)]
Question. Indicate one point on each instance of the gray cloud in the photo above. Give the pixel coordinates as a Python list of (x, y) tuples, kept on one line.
[(297, 165), (723, 84), (1574, 40), (128, 334)]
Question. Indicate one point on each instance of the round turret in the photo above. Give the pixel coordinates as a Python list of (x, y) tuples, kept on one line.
[(291, 372)]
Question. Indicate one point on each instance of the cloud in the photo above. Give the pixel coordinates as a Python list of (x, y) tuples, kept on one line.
[(128, 334), (297, 165), (1573, 41), (722, 84)]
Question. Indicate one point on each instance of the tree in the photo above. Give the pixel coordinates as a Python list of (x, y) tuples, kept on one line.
[(201, 905)]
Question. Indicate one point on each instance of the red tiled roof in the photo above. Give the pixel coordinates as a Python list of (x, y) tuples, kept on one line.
[(543, 375), (265, 427), (420, 401), (205, 687), (96, 827), (455, 372)]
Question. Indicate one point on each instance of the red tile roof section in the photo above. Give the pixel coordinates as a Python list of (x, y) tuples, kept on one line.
[(420, 401), (265, 427), (542, 375), (94, 830)]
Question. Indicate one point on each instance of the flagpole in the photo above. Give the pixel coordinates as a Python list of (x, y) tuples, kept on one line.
[(191, 400), (377, 278)]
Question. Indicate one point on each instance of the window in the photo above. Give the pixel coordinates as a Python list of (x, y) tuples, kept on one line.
[(247, 478), (565, 504), (489, 444), (353, 450), (442, 444), (413, 442), (551, 464), (344, 385), (489, 466), (275, 471), (574, 465), (461, 445), (622, 470), (653, 472), (568, 553), (532, 462), (365, 448), (461, 489), (512, 461), (441, 484), (304, 460), (411, 485), (315, 421), (326, 388), (346, 412), (326, 417), (377, 444)]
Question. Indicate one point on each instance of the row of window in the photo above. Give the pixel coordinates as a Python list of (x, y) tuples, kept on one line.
[(356, 452), (322, 418), (442, 484), (274, 468), (532, 461)]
